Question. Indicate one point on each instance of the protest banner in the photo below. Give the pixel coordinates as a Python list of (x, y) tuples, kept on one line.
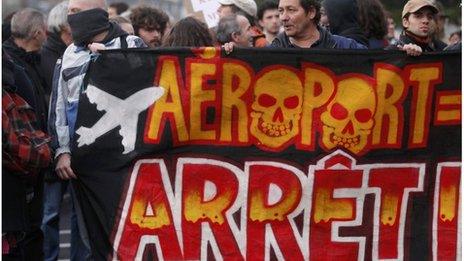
[(270, 154)]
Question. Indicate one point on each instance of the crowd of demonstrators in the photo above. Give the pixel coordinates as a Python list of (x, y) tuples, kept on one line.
[(45, 64)]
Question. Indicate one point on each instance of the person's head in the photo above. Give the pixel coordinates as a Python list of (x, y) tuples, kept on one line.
[(299, 17), (28, 27), (124, 23), (57, 22), (116, 9), (372, 18), (440, 20), (419, 17), (76, 6), (341, 15), (189, 32), (455, 38), (268, 17), (234, 28), (149, 24), (248, 8), (390, 25), (324, 21)]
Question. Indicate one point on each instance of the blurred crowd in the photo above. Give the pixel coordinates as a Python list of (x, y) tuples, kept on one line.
[(45, 58)]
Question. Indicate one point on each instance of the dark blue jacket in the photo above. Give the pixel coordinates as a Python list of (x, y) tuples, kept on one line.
[(326, 41)]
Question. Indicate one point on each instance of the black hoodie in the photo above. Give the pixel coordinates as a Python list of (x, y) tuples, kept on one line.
[(52, 49), (343, 19)]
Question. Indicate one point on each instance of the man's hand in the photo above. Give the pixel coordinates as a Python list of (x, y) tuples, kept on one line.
[(95, 47), (411, 49), (63, 167), (228, 47)]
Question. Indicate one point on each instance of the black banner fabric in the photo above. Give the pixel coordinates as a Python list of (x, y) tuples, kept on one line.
[(270, 154)]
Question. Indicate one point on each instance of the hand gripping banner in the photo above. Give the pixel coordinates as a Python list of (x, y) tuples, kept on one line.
[(191, 154)]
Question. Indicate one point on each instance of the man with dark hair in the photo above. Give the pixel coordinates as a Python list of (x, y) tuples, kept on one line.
[(268, 18), (419, 18), (300, 19), (149, 24), (116, 9)]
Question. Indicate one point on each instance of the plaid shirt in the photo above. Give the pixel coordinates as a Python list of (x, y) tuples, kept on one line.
[(25, 148)]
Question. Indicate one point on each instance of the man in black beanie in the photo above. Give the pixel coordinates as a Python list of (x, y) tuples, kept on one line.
[(90, 26)]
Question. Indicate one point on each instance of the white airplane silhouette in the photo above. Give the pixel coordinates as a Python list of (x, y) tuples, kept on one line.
[(124, 113)]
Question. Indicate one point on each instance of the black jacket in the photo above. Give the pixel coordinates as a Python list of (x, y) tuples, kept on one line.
[(30, 61), (343, 19), (52, 49), (326, 41), (433, 46), (21, 198)]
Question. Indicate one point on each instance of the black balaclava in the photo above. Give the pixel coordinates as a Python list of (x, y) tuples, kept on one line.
[(87, 24)]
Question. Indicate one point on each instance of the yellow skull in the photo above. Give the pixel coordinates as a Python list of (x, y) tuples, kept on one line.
[(276, 110), (348, 121)]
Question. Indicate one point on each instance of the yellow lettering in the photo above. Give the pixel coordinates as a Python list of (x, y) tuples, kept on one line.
[(313, 100), (168, 80), (197, 97), (145, 216), (326, 207), (424, 90), (387, 98), (231, 99)]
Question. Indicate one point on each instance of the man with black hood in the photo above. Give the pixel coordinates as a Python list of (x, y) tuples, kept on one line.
[(300, 19), (59, 38), (90, 26), (343, 19)]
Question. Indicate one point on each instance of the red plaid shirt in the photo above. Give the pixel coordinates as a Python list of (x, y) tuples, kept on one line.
[(25, 148)]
